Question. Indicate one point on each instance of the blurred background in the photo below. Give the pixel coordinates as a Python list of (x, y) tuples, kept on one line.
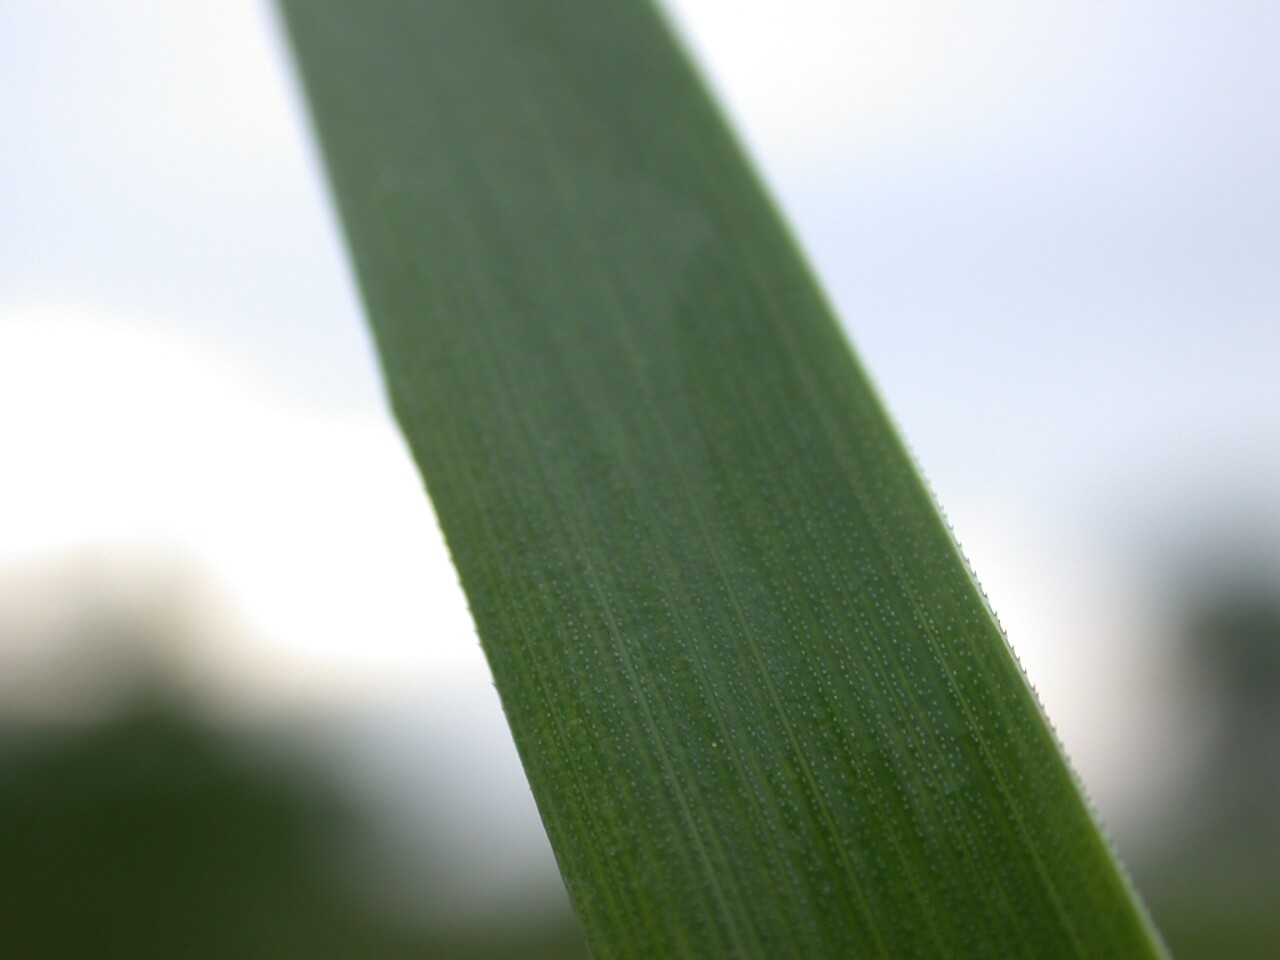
[(242, 709)]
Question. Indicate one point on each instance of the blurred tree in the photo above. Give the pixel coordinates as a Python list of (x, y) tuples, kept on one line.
[(152, 835), (1213, 883), (132, 828)]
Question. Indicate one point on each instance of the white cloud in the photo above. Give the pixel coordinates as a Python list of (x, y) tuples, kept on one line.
[(814, 81), (121, 437)]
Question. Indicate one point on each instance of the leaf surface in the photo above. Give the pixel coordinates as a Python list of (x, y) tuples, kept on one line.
[(764, 708)]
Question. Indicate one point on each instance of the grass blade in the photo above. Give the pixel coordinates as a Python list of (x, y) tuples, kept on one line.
[(762, 705)]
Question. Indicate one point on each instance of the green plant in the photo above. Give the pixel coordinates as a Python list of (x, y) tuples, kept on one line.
[(763, 706)]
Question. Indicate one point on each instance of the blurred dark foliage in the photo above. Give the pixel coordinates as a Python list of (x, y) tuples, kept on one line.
[(1213, 880), (153, 835)]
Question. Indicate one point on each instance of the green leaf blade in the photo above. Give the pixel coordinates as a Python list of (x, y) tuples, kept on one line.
[(762, 705)]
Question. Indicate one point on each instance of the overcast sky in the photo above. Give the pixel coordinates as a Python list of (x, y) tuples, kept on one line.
[(1052, 230)]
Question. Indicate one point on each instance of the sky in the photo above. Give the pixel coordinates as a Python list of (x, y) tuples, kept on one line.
[(1052, 231)]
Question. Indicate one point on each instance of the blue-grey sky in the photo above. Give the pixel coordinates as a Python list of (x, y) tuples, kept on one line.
[(1052, 230)]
